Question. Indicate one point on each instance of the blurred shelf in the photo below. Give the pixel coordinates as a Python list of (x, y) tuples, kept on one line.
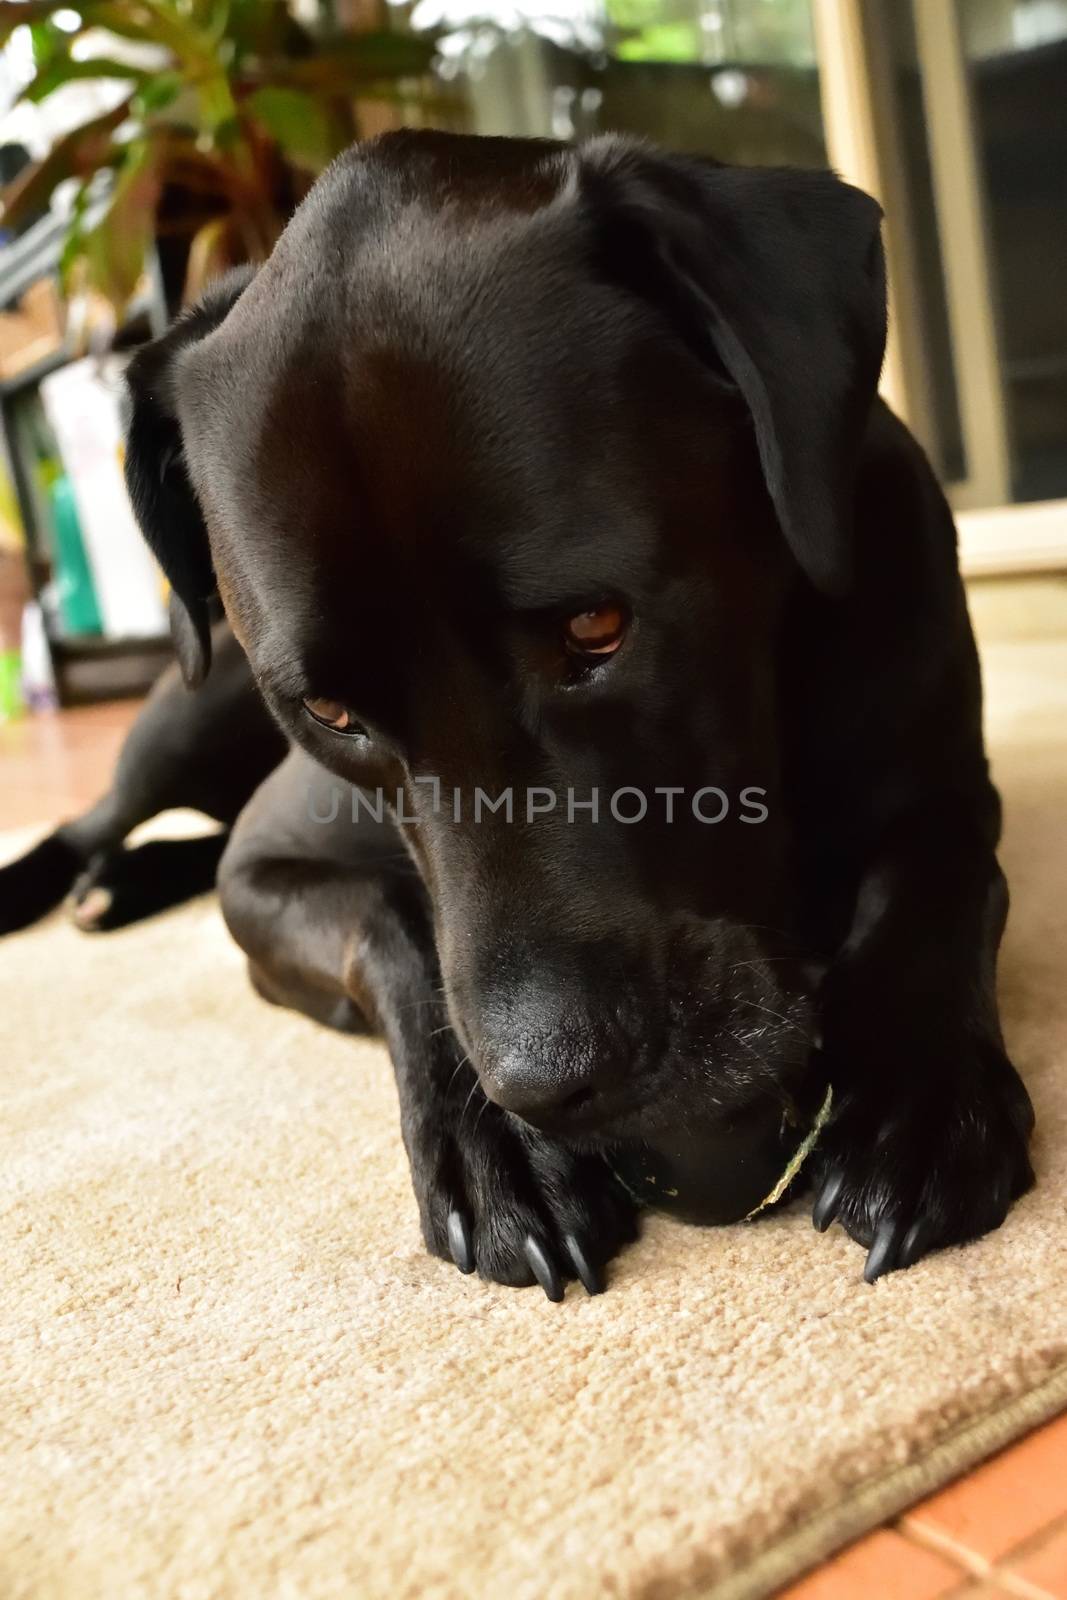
[(31, 255), (90, 667), (102, 647), (32, 375)]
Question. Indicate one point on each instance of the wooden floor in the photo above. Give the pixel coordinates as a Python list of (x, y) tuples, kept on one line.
[(1000, 1531), (55, 765)]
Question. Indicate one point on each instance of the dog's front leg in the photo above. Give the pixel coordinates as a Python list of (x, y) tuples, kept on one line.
[(494, 1196), (928, 1146)]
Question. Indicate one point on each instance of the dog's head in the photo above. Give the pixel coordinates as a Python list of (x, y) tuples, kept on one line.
[(506, 466)]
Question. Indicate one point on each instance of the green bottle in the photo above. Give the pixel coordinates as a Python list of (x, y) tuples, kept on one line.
[(74, 581)]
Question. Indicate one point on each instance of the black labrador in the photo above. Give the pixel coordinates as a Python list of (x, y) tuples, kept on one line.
[(559, 474)]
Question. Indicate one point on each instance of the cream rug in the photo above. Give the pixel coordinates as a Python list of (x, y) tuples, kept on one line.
[(228, 1370)]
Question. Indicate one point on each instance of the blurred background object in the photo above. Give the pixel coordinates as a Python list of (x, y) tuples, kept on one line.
[(206, 125), (146, 145)]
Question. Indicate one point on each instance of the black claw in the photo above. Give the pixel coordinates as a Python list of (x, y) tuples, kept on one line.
[(589, 1275), (916, 1242), (543, 1268), (825, 1208), (459, 1241), (882, 1256)]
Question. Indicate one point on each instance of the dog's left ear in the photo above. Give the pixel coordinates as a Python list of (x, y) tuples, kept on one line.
[(158, 482), (779, 275)]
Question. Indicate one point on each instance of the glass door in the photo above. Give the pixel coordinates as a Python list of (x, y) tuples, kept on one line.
[(950, 111), (959, 126)]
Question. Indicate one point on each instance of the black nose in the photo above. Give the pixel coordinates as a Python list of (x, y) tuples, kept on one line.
[(551, 1068), (537, 1089)]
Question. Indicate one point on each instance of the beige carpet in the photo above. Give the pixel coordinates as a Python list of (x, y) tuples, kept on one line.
[(228, 1370)]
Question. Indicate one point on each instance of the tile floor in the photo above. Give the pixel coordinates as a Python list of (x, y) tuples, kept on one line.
[(1000, 1531)]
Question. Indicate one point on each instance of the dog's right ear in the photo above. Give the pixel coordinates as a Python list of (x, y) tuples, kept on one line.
[(775, 279), (158, 482)]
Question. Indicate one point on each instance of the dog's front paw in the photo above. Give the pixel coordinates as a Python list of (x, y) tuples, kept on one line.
[(929, 1156), (501, 1200)]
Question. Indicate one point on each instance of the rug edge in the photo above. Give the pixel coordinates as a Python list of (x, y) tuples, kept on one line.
[(878, 1499)]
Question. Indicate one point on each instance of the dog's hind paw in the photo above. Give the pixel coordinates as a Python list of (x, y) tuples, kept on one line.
[(516, 1208)]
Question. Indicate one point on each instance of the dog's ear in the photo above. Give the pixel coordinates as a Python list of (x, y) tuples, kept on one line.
[(779, 277), (158, 482)]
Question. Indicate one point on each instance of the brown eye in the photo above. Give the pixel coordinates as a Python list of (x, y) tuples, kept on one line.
[(333, 715), (596, 633)]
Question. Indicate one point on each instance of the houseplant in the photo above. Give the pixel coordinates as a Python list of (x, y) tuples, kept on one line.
[(225, 110)]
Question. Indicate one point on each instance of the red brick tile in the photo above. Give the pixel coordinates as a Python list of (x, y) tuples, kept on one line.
[(1008, 1500), (1044, 1568), (884, 1564), (988, 1589)]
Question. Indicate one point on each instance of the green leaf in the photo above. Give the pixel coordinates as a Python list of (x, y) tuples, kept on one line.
[(73, 242), (266, 29), (213, 16), (116, 248), (62, 70), (665, 41), (49, 44), (359, 58), (195, 52), (17, 13), (210, 252), (156, 22), (77, 155), (297, 122), (130, 19), (158, 91), (217, 106)]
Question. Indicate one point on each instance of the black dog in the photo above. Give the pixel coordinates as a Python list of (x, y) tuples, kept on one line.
[(547, 470)]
